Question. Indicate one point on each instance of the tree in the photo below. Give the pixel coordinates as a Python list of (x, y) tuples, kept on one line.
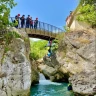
[(5, 7), (82, 2), (87, 11), (38, 49)]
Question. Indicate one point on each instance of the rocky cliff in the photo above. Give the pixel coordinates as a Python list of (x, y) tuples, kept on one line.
[(76, 58), (15, 65), (77, 54)]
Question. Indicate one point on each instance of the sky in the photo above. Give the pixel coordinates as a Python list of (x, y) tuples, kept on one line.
[(53, 12)]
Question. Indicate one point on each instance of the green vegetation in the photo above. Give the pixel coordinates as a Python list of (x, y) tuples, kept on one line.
[(38, 49), (6, 49), (5, 7), (60, 37), (67, 29), (55, 45), (9, 36), (87, 10)]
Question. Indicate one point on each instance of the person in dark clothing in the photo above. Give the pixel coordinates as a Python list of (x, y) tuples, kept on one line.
[(28, 21), (50, 43), (69, 87), (22, 21), (31, 23), (35, 23)]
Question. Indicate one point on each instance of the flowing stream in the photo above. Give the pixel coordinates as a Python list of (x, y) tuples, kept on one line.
[(48, 88)]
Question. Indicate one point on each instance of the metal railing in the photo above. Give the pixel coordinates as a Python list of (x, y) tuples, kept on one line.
[(40, 26)]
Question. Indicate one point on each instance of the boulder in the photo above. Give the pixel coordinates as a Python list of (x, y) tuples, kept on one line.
[(35, 73), (84, 83), (51, 73)]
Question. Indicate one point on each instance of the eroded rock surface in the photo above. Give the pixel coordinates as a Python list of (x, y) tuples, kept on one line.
[(77, 55), (15, 66)]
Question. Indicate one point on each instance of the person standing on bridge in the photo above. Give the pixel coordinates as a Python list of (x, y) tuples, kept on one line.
[(17, 17), (28, 21), (31, 23), (22, 21), (35, 23), (16, 22)]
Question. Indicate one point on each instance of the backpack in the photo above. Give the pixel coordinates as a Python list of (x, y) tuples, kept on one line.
[(31, 21)]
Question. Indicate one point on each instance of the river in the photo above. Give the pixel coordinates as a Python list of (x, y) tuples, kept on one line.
[(48, 88)]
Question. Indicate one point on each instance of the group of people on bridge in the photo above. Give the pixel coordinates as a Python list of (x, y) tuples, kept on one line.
[(25, 22)]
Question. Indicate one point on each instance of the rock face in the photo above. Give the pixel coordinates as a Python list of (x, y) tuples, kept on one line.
[(34, 73), (50, 67), (76, 58), (84, 83), (51, 73), (77, 55), (15, 66)]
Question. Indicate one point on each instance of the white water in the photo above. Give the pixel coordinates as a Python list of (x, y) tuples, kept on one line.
[(41, 76), (43, 81)]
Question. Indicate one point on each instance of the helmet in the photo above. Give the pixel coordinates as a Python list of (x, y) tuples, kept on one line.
[(18, 14)]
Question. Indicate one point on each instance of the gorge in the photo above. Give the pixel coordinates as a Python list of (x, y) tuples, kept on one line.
[(74, 61)]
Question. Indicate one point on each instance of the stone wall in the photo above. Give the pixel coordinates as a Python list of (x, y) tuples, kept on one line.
[(74, 24), (79, 25)]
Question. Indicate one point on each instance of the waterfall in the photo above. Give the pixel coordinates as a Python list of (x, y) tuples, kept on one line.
[(43, 81), (41, 76)]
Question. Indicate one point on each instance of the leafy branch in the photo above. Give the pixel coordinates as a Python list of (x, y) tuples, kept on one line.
[(87, 12)]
